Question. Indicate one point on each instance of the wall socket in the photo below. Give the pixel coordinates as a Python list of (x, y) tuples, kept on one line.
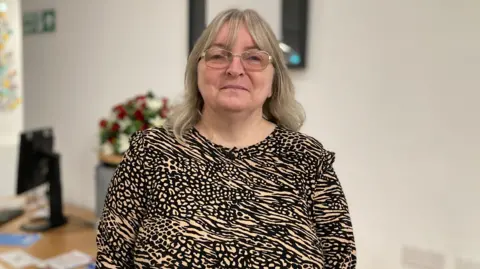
[(415, 258), (466, 264)]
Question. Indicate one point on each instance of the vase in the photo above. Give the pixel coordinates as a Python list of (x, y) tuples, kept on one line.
[(111, 159)]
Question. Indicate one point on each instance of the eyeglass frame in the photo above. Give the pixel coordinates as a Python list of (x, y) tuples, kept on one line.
[(270, 59)]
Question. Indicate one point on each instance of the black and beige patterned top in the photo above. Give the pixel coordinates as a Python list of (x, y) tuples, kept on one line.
[(276, 204)]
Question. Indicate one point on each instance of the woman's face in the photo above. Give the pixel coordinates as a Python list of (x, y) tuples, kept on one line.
[(232, 87)]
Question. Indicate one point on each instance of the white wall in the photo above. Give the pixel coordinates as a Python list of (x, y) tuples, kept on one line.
[(11, 121), (100, 55), (390, 87)]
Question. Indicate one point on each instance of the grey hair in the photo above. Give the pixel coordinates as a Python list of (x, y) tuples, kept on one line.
[(281, 108)]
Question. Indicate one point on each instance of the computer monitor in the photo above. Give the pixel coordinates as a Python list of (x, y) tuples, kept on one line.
[(39, 164), (30, 165)]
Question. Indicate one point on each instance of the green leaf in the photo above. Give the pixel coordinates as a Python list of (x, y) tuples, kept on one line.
[(150, 94), (130, 129), (116, 147), (104, 135), (148, 114), (138, 124)]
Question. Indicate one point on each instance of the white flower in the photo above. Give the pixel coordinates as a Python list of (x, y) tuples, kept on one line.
[(124, 124), (107, 148), (123, 143), (157, 121), (154, 104)]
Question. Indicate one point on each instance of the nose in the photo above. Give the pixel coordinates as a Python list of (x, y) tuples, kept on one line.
[(235, 68)]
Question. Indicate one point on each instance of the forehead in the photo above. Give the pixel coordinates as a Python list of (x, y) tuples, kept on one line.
[(233, 36)]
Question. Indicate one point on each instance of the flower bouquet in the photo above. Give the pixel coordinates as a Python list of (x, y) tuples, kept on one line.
[(138, 113)]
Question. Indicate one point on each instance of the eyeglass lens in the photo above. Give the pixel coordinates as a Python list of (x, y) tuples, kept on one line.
[(220, 58)]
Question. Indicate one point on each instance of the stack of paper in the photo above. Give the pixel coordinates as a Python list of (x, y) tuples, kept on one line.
[(19, 259), (69, 260)]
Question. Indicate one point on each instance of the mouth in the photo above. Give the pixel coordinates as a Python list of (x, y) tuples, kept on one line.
[(234, 87)]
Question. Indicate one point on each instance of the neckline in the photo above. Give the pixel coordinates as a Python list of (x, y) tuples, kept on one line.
[(236, 150)]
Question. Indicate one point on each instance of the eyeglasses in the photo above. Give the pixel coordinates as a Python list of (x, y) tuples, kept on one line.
[(253, 60)]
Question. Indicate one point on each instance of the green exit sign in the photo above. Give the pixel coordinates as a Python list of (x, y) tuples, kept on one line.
[(39, 22)]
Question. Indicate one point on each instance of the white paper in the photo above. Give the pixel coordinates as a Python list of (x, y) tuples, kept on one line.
[(19, 259), (11, 203), (41, 213), (69, 260)]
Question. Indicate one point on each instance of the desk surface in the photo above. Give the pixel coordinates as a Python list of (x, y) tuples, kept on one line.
[(77, 234)]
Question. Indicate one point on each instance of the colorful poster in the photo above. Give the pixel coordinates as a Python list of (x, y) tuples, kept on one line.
[(9, 95)]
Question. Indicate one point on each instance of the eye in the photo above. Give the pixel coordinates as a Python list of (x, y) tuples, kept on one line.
[(216, 54), (254, 57)]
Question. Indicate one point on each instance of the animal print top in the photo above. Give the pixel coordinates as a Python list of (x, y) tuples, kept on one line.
[(276, 204)]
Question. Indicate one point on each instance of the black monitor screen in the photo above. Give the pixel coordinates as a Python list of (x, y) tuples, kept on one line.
[(31, 164)]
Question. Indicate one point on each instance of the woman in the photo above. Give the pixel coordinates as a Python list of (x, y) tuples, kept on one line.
[(228, 182)]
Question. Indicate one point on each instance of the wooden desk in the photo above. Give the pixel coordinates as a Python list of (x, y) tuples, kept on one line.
[(77, 234)]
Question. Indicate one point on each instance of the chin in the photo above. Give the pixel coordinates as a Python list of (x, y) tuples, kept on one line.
[(233, 104)]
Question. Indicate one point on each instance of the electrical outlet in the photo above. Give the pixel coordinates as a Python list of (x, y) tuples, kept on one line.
[(415, 258), (466, 264)]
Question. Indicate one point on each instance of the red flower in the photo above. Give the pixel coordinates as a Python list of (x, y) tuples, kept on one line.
[(144, 126), (164, 112), (119, 108), (121, 115), (139, 115), (164, 101), (103, 123), (115, 127), (141, 101)]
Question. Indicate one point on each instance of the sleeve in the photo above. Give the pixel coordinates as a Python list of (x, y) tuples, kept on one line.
[(124, 208), (332, 218)]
